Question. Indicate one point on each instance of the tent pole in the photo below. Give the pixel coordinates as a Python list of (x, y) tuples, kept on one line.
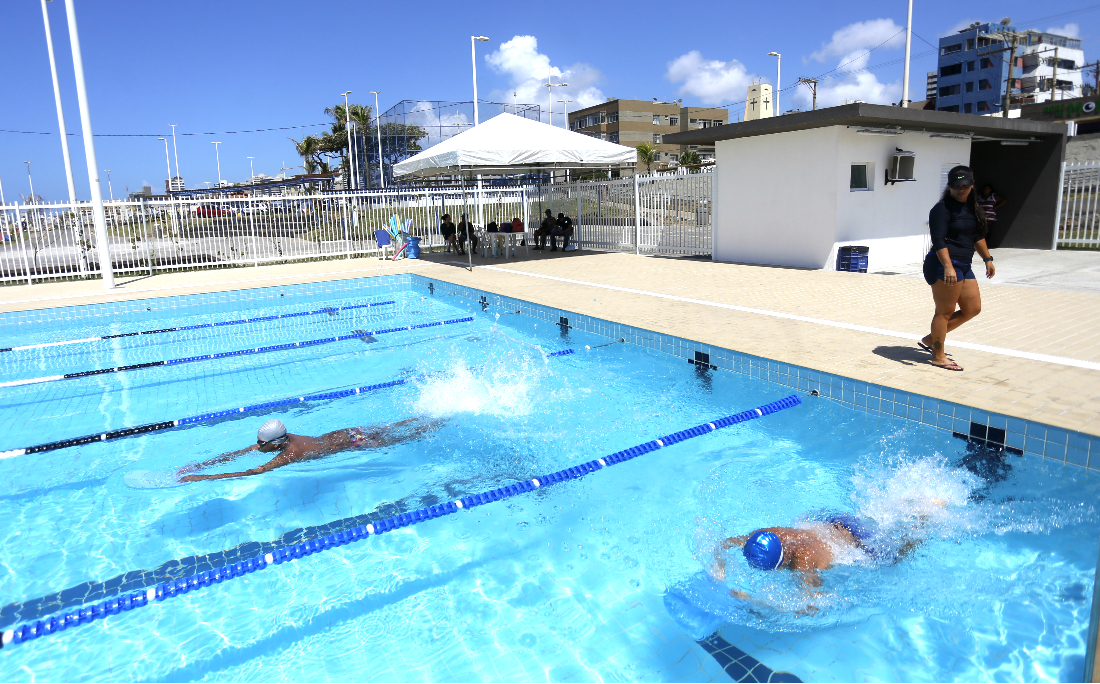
[(469, 232)]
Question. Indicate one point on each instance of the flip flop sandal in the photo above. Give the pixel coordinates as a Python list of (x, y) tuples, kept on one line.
[(924, 346), (951, 366)]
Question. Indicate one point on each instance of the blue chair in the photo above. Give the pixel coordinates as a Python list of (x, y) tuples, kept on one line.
[(384, 241)]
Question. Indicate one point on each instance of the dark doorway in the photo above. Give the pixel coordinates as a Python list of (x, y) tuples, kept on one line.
[(1028, 176)]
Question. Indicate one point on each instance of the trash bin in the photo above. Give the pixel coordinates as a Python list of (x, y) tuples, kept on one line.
[(852, 259), (413, 250)]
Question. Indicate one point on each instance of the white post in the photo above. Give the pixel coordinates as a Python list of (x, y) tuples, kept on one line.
[(102, 244), (908, 42), (778, 79), (219, 158), (22, 243), (60, 111), (347, 125), (175, 152), (378, 133), (473, 63), (637, 218), (1058, 212)]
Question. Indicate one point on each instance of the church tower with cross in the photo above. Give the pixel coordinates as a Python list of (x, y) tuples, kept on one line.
[(758, 105)]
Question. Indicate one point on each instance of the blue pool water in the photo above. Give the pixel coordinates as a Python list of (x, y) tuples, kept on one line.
[(599, 578)]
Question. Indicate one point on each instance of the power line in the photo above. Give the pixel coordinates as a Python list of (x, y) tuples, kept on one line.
[(157, 135)]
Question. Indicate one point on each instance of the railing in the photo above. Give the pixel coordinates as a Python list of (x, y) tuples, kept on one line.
[(51, 241), (667, 214), (1079, 213)]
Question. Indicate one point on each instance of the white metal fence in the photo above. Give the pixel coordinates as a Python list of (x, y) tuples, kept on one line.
[(647, 214), (50, 241), (1079, 212)]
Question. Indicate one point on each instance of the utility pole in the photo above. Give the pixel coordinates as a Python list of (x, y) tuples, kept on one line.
[(1054, 77), (811, 83), (1008, 86), (908, 41)]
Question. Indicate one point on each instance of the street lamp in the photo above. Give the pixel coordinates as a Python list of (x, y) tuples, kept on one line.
[(778, 66), (252, 169), (473, 60), (60, 111), (168, 163), (31, 180), (550, 85), (566, 103), (218, 156), (378, 133), (109, 186), (176, 153), (347, 126)]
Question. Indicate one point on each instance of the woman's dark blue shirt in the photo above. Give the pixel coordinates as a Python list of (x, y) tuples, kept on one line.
[(952, 225)]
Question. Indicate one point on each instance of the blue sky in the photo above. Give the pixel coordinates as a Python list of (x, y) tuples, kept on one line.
[(230, 66)]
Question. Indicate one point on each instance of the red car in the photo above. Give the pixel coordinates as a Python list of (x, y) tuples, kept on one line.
[(209, 210)]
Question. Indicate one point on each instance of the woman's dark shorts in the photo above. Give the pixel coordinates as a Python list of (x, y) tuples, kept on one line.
[(933, 269)]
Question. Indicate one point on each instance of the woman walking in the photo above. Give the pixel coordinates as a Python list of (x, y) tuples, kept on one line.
[(958, 228)]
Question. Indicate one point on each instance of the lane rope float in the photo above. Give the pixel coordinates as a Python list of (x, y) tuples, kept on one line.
[(225, 355), (205, 417), (261, 319), (69, 619)]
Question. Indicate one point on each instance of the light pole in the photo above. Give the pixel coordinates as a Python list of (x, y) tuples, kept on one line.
[(378, 133), (30, 180), (778, 73), (473, 60), (110, 188), (252, 169), (177, 154), (566, 103), (550, 85), (168, 163), (60, 111), (347, 126), (908, 41), (103, 247), (218, 156)]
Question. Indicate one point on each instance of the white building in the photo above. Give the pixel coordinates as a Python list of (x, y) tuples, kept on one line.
[(791, 190), (1050, 67)]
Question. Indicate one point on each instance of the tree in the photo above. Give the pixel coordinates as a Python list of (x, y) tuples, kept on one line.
[(647, 154), (691, 159), (309, 149)]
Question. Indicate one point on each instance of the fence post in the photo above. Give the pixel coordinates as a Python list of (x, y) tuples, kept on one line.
[(577, 238), (1058, 213), (22, 244), (349, 217), (637, 217)]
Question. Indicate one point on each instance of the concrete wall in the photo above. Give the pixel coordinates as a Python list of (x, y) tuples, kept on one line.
[(785, 198)]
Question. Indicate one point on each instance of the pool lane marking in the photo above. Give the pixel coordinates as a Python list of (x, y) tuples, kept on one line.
[(204, 417), (53, 624), (225, 355), (1003, 351), (327, 310)]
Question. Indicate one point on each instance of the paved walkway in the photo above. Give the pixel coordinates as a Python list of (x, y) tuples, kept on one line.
[(1033, 353)]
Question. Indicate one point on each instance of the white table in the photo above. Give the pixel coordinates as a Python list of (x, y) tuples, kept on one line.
[(509, 243)]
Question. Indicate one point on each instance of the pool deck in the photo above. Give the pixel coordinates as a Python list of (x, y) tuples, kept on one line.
[(1034, 352)]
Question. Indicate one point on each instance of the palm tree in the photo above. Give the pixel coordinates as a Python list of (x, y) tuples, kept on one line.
[(361, 116), (691, 159), (309, 149), (647, 154)]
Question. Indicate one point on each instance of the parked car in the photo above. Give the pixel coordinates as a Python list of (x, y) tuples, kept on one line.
[(208, 210)]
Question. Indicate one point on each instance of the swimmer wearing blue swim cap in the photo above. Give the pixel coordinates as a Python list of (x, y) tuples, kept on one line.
[(764, 550)]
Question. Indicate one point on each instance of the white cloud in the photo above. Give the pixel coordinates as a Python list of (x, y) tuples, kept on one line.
[(860, 36), (1069, 30), (527, 70), (710, 80)]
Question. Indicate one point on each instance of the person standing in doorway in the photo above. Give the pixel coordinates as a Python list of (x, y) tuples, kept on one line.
[(990, 202), (958, 228)]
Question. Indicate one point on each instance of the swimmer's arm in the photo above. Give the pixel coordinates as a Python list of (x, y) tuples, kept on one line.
[(224, 458), (277, 462), (731, 542)]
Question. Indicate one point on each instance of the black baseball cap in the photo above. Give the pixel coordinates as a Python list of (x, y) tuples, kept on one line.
[(960, 176)]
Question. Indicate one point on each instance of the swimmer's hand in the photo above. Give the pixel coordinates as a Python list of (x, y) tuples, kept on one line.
[(731, 542)]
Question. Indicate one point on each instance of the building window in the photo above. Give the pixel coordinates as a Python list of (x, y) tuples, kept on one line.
[(983, 106), (613, 137), (952, 108), (673, 121), (613, 117), (947, 91), (986, 63), (693, 121), (1067, 64), (949, 49), (862, 173), (968, 108), (970, 87), (656, 138), (969, 43), (656, 119), (970, 65), (985, 85), (951, 70)]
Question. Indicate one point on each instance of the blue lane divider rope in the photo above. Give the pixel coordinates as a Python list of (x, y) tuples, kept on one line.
[(326, 310), (225, 355), (204, 417), (73, 618)]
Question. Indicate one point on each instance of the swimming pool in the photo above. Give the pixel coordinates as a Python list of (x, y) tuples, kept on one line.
[(599, 577)]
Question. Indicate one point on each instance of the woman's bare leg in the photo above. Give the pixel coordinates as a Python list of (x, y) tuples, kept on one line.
[(946, 298)]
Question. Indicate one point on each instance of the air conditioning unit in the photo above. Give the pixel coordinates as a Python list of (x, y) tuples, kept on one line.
[(902, 167)]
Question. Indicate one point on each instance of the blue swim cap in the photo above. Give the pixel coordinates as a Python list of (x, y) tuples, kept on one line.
[(763, 550)]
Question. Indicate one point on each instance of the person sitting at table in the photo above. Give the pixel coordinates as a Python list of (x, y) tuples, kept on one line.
[(447, 228), (517, 227), (563, 227), (545, 227), (466, 230)]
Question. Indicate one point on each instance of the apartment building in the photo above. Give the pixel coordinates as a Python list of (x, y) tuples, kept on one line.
[(633, 122), (973, 68)]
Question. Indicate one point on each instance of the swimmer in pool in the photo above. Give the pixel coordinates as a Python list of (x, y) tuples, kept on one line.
[(816, 546), (273, 438)]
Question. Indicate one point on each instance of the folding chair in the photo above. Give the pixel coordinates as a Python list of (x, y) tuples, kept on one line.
[(384, 241)]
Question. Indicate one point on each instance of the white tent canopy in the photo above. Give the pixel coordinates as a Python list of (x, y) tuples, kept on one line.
[(507, 143)]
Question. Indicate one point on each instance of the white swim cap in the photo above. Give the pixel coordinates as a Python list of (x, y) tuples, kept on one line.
[(272, 431)]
